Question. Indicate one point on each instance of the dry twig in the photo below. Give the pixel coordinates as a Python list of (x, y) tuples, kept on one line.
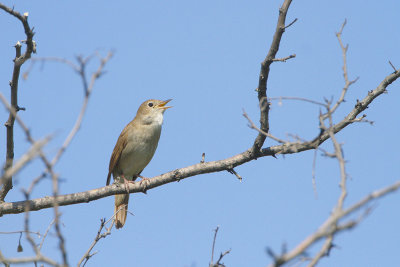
[(218, 263), (99, 236)]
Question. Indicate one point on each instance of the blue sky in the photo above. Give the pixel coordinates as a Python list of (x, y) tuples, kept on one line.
[(206, 55)]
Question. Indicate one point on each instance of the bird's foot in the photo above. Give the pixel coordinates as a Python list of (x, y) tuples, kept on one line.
[(126, 183), (146, 182)]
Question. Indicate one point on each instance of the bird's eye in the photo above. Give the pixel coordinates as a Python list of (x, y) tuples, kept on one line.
[(150, 104)]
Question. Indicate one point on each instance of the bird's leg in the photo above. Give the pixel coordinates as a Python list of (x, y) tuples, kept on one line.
[(126, 183), (144, 180)]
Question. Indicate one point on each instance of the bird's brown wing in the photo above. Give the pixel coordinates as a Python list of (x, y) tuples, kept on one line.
[(116, 154)]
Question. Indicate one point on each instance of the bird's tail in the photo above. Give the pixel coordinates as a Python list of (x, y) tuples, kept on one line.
[(121, 209)]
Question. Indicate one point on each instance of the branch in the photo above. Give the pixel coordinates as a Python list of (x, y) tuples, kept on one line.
[(39, 258), (27, 133), (88, 90), (218, 263), (18, 61), (213, 245), (326, 229), (348, 83), (24, 160), (200, 168), (331, 226), (99, 236), (30, 44), (263, 78)]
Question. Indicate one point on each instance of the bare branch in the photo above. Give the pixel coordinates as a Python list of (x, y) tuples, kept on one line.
[(24, 160), (200, 168), (88, 90), (348, 83), (26, 130), (263, 77), (326, 228), (44, 59), (40, 258), (27, 193), (99, 236), (218, 263), (20, 232), (213, 245), (18, 61), (30, 44)]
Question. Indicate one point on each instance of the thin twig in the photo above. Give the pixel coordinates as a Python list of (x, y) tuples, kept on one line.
[(19, 232), (394, 68), (328, 244), (232, 171), (45, 234), (348, 83), (284, 59), (99, 236), (213, 245), (203, 157), (252, 125), (291, 23), (280, 98), (218, 263), (44, 59), (27, 231)]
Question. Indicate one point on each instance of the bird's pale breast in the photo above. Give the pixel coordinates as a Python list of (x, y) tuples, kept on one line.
[(140, 149)]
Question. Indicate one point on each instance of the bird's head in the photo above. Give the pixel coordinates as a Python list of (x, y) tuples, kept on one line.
[(151, 111)]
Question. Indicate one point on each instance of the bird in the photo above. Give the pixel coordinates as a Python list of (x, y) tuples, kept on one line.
[(134, 149)]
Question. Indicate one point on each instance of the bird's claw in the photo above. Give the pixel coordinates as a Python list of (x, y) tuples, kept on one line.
[(146, 182)]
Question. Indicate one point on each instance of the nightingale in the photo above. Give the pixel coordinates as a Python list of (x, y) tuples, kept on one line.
[(134, 149)]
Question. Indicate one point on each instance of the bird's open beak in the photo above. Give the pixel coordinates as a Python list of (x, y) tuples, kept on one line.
[(162, 105)]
